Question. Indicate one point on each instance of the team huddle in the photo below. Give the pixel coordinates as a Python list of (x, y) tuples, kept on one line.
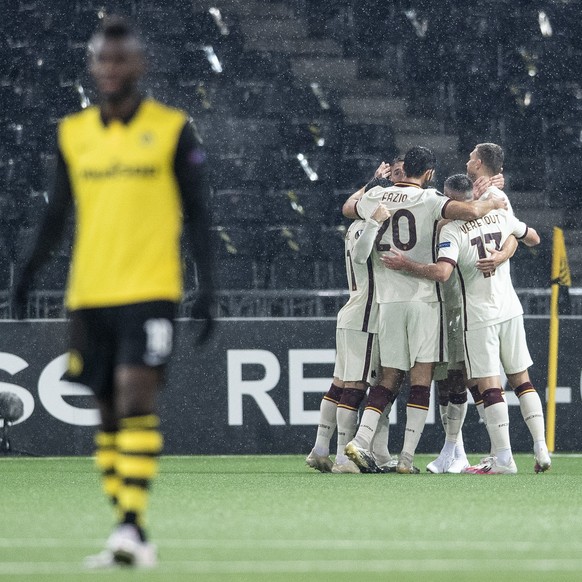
[(430, 296)]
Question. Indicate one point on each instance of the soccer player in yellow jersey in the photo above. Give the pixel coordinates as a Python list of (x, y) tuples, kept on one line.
[(133, 168)]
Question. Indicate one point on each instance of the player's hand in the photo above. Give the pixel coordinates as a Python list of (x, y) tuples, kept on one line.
[(381, 213), (483, 182), (395, 260), (201, 310), (499, 203), (489, 264), (383, 171), (498, 181)]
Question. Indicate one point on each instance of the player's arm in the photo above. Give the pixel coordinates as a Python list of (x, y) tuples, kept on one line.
[(531, 238), (439, 271), (190, 171), (349, 208), (363, 246), (456, 210), (381, 174), (496, 258), (48, 235)]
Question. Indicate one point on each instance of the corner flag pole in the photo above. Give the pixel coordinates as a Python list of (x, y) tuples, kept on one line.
[(560, 276)]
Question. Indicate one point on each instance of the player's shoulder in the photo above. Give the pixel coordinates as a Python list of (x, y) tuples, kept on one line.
[(495, 191), (87, 115), (164, 111)]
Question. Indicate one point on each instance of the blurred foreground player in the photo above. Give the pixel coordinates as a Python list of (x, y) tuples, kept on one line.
[(132, 167)]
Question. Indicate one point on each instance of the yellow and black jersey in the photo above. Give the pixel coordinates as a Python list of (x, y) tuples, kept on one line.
[(130, 180)]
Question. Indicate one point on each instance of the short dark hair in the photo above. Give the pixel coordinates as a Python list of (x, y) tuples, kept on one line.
[(418, 160), (398, 159), (491, 155), (459, 183), (115, 27)]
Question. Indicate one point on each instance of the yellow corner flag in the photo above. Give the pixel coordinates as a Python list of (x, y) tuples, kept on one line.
[(561, 277)]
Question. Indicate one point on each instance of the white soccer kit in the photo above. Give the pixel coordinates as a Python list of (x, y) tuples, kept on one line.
[(489, 300), (357, 356), (411, 320)]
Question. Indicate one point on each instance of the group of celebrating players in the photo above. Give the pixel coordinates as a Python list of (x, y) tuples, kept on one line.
[(430, 295)]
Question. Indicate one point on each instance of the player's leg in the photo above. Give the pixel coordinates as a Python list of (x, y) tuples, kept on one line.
[(318, 458), (416, 412), (347, 424), (359, 448), (482, 351), (530, 405), (440, 379), (452, 457), (144, 346), (357, 361), (426, 339), (391, 324), (380, 449), (516, 359)]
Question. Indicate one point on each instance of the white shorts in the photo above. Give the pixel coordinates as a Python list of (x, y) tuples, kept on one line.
[(357, 358), (411, 332), (505, 342)]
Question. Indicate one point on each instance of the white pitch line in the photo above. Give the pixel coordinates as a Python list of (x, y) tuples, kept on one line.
[(314, 566), (319, 544)]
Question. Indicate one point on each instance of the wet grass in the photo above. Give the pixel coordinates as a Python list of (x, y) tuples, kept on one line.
[(272, 518)]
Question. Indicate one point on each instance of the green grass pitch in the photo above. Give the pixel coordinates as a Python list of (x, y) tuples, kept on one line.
[(260, 518)]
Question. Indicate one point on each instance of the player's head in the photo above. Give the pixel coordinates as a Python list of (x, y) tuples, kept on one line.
[(116, 59), (397, 169), (419, 163), (485, 160), (459, 187)]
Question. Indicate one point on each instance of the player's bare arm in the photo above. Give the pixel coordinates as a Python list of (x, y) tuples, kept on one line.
[(473, 210), (497, 257), (349, 207), (531, 238), (397, 261)]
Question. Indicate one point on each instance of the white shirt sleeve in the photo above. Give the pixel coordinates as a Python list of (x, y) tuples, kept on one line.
[(368, 203), (365, 242), (519, 228), (435, 203), (448, 247)]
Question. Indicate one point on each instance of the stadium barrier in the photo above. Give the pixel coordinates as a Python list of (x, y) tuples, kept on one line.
[(254, 389)]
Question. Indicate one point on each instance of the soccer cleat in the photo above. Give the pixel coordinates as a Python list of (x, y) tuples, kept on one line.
[(320, 462), (405, 466), (441, 464), (543, 461), (458, 465), (129, 550), (361, 457), (388, 467), (345, 467), (492, 467)]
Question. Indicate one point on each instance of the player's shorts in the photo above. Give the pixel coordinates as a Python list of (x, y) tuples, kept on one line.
[(485, 347), (411, 332), (357, 358), (103, 338)]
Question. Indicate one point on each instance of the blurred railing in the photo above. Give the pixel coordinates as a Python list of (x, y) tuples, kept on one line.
[(269, 303)]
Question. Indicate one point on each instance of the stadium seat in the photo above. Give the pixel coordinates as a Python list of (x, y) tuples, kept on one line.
[(236, 249), (289, 258)]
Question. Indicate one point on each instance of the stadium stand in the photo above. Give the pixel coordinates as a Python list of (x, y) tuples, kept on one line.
[(298, 102)]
